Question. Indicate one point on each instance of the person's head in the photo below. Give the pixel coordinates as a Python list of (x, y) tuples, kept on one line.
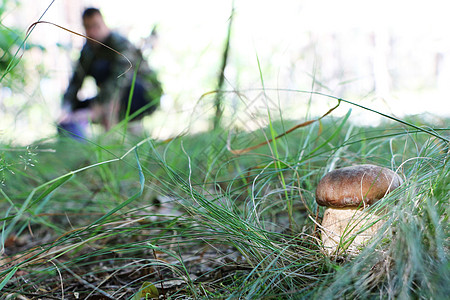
[(94, 24)]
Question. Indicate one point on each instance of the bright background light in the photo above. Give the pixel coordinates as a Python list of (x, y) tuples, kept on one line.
[(392, 56)]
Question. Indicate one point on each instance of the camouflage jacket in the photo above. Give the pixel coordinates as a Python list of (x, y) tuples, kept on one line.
[(109, 69)]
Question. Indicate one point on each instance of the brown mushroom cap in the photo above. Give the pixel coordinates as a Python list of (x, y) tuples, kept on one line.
[(351, 185)]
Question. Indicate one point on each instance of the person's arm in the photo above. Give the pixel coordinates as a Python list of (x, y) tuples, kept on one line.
[(70, 100)]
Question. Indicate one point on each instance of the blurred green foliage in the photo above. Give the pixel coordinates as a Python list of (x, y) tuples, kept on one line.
[(11, 41)]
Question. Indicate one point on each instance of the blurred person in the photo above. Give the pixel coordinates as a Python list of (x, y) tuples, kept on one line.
[(114, 82)]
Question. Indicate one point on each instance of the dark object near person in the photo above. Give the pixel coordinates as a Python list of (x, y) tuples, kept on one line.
[(73, 130)]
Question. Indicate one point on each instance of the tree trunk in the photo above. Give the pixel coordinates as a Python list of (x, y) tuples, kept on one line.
[(219, 94)]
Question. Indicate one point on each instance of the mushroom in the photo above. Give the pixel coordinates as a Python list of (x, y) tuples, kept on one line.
[(346, 192)]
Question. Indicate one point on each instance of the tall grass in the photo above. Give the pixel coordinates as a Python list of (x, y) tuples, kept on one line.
[(107, 217), (196, 221)]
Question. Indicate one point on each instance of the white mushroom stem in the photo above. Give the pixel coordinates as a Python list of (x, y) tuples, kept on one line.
[(341, 229)]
